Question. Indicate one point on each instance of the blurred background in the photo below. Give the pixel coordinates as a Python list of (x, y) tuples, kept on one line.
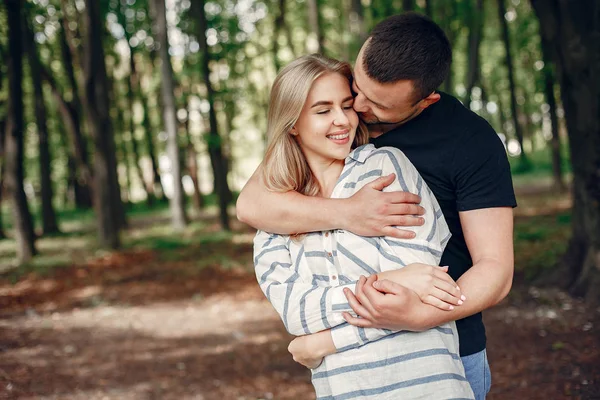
[(128, 127)]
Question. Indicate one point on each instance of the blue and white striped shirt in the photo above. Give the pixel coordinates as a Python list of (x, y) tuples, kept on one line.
[(304, 281)]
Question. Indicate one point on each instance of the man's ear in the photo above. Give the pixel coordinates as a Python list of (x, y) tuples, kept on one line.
[(429, 100)]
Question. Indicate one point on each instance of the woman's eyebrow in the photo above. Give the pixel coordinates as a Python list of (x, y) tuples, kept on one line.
[(329, 103)]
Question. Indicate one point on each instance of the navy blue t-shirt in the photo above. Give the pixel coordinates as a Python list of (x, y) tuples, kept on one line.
[(464, 162)]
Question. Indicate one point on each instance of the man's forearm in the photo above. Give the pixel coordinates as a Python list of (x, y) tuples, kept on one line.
[(289, 212), (484, 285)]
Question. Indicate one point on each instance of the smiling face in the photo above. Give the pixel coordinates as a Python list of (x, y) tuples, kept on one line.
[(327, 124)]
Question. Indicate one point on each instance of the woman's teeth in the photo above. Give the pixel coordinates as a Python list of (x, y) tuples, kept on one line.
[(338, 137)]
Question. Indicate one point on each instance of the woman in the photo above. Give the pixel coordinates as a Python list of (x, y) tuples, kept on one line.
[(312, 129)]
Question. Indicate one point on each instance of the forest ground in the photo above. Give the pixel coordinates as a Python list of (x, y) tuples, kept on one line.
[(180, 316)]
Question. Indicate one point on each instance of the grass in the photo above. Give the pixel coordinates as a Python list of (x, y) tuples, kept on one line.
[(541, 236)]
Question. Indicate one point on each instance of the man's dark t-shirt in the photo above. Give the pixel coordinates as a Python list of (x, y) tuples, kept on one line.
[(463, 161)]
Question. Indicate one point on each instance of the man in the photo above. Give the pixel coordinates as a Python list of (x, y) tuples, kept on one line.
[(397, 72)]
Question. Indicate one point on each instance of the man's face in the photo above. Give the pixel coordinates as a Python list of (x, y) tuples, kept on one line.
[(385, 103)]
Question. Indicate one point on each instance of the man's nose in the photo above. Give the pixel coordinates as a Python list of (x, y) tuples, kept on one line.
[(360, 103)]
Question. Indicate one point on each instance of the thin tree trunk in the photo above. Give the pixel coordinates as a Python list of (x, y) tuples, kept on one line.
[(192, 164), (524, 162), (557, 173), (133, 87), (474, 41), (572, 29), (178, 216), (108, 205), (357, 24), (449, 12), (49, 224), (279, 26), (428, 8), (3, 117), (314, 22), (408, 5), (214, 141), (23, 223)]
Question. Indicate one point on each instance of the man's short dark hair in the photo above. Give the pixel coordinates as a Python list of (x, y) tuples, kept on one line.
[(408, 46)]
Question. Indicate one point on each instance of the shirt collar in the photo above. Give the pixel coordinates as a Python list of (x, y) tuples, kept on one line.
[(361, 153)]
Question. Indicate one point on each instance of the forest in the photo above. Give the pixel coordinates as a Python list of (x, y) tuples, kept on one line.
[(129, 127)]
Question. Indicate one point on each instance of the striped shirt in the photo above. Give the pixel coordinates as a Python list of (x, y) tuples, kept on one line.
[(304, 281)]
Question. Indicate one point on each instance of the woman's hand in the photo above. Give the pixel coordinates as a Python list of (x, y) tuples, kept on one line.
[(432, 284), (309, 350)]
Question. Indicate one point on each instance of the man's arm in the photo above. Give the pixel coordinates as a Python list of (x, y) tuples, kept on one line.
[(370, 212), (489, 236)]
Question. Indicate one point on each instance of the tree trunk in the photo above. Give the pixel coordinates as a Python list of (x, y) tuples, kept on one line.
[(524, 162), (192, 164), (178, 216), (428, 9), (449, 12), (408, 5), (474, 41), (279, 26), (314, 22), (23, 223), (571, 29), (3, 117), (557, 173), (107, 194), (133, 85), (357, 27), (49, 224), (214, 140)]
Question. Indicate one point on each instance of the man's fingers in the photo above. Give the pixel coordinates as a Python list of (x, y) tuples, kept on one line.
[(360, 294), (406, 198), (382, 182), (355, 304), (387, 286), (394, 232), (361, 322), (403, 220)]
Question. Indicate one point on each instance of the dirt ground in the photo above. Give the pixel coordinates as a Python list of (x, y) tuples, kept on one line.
[(132, 326)]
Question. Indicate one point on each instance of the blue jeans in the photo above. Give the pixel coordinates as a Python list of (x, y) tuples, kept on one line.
[(478, 373)]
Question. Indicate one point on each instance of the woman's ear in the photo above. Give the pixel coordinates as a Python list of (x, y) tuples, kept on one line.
[(294, 132)]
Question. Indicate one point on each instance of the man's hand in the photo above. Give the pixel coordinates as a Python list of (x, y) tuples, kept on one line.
[(392, 309), (432, 284), (379, 213), (309, 350)]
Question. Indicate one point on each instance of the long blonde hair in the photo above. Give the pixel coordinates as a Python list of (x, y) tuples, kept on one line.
[(284, 166)]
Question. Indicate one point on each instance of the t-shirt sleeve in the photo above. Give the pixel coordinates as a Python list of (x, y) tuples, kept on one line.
[(482, 172)]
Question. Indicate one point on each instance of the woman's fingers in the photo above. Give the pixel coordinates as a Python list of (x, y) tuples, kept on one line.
[(434, 301), (450, 289), (445, 297)]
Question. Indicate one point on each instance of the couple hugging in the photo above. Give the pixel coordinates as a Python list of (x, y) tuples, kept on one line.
[(371, 180)]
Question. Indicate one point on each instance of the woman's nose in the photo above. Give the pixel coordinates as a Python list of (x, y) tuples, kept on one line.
[(340, 117)]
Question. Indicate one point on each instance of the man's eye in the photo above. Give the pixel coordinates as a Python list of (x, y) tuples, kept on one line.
[(348, 107)]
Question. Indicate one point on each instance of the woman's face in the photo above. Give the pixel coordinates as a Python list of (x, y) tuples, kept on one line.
[(327, 125)]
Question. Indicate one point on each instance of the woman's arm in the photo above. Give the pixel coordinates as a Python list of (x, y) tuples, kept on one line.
[(304, 307)]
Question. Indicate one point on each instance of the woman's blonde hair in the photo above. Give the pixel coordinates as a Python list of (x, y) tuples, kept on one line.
[(284, 167)]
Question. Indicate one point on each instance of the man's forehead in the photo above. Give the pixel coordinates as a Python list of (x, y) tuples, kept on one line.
[(389, 95)]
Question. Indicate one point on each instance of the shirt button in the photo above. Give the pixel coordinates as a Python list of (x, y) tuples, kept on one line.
[(326, 234), (329, 254), (334, 277)]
